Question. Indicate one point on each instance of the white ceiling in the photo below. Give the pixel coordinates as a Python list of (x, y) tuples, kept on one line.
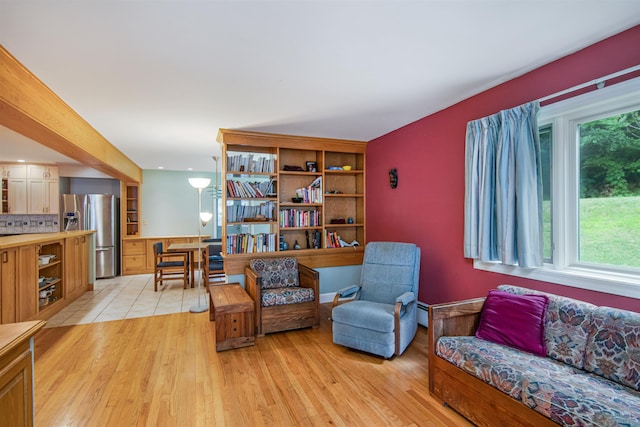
[(158, 78)]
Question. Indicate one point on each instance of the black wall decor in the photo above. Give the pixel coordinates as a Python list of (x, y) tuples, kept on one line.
[(393, 177)]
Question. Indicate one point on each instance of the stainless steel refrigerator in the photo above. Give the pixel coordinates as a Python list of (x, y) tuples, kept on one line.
[(95, 212)]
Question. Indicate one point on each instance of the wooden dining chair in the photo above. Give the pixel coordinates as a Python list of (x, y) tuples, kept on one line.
[(214, 264), (169, 265)]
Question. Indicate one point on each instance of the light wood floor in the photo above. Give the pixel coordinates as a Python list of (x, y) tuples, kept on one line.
[(164, 371)]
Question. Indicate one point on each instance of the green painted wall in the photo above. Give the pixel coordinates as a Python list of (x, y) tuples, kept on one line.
[(170, 203)]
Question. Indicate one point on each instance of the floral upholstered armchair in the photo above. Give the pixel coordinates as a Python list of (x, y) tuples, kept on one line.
[(285, 293)]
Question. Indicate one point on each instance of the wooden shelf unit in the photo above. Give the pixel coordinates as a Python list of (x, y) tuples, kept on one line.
[(131, 212), (54, 273), (341, 196)]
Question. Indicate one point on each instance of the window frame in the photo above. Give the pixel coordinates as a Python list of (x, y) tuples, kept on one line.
[(565, 269)]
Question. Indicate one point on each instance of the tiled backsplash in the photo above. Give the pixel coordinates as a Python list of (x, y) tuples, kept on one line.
[(21, 224)]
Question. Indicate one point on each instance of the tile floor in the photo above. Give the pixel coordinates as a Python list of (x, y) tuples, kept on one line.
[(126, 297)]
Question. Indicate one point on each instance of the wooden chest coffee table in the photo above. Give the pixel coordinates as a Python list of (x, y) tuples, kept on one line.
[(234, 313)]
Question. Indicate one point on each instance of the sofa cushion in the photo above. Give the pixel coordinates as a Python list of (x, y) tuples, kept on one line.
[(500, 366), (582, 400), (613, 347), (288, 295), (276, 272), (566, 325), (514, 320)]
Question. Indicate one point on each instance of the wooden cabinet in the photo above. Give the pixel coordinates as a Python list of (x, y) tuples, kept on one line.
[(76, 273), (4, 207), (286, 192), (18, 278), (16, 373), (43, 189), (27, 303), (42, 273), (30, 189), (137, 253), (131, 212), (8, 285), (51, 275), (17, 197), (134, 256)]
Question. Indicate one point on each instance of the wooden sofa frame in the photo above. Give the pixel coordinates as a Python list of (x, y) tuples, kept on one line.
[(476, 400), (289, 316)]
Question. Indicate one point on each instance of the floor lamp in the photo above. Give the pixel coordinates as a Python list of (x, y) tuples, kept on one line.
[(204, 217)]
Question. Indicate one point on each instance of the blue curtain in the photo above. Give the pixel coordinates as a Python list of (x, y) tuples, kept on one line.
[(503, 188)]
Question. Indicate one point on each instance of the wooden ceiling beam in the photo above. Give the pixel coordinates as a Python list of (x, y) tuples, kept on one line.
[(29, 107)]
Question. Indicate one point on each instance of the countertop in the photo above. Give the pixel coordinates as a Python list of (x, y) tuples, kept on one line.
[(13, 334), (37, 238)]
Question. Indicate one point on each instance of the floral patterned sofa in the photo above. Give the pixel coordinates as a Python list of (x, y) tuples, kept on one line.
[(589, 377)]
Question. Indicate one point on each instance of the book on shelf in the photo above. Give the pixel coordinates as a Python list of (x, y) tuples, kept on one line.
[(251, 243), (334, 241), (250, 190), (238, 213), (311, 193), (250, 163), (300, 218)]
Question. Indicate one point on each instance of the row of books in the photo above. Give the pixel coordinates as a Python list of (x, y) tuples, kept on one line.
[(250, 163), (245, 189), (238, 213), (334, 241), (311, 193), (300, 218), (251, 243)]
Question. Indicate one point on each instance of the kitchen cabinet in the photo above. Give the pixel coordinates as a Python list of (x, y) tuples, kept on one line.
[(16, 372), (43, 189), (131, 214), (76, 273), (30, 189), (14, 170), (17, 195), (8, 283), (137, 253), (18, 277), (14, 188), (35, 269), (27, 299), (51, 265), (42, 171)]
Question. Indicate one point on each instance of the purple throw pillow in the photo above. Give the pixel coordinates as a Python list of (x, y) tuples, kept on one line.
[(514, 320)]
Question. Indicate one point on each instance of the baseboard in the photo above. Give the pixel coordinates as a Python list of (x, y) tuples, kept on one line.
[(423, 314), (327, 297), (423, 309)]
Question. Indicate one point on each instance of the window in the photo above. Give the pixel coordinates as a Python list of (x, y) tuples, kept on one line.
[(590, 147)]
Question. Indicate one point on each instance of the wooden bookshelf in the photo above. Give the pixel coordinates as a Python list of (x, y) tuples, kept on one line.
[(264, 223)]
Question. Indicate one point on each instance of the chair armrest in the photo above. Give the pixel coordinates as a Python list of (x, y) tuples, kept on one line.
[(347, 294), (406, 298), (253, 287), (253, 284), (309, 278)]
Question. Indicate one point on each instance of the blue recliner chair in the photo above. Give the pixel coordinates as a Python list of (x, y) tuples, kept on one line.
[(380, 315)]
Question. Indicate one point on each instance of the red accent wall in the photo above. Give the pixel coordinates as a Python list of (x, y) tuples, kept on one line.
[(427, 208)]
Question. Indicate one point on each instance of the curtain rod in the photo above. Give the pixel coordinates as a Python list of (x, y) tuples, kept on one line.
[(596, 82)]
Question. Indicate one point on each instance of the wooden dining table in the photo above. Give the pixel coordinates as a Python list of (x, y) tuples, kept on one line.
[(192, 255)]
